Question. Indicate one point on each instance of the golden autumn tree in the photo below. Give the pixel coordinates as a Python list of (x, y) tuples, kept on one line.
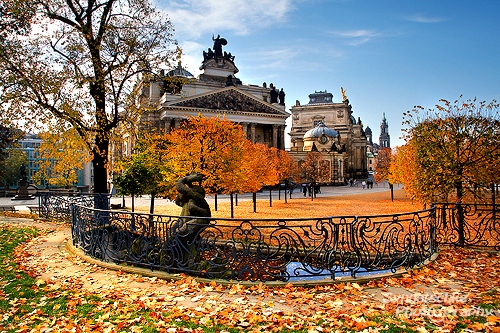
[(60, 156), (383, 161), (287, 167), (401, 169), (453, 149), (260, 167)]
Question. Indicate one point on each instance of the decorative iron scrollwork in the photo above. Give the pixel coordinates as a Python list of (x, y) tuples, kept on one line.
[(257, 250)]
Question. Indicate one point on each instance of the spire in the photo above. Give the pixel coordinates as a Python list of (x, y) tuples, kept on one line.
[(384, 138)]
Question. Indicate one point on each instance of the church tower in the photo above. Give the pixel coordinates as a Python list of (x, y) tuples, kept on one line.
[(384, 138)]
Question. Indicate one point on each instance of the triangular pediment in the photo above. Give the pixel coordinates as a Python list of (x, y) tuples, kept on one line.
[(228, 99)]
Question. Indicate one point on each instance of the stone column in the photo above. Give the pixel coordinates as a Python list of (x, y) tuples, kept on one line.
[(244, 127), (177, 122), (275, 135), (252, 132), (167, 123), (282, 132)]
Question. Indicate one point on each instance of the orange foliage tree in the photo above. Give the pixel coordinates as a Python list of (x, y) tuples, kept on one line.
[(403, 170), (218, 149), (451, 150), (287, 167), (260, 166), (211, 146), (315, 168)]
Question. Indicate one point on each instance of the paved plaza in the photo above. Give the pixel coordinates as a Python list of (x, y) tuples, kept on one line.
[(326, 191)]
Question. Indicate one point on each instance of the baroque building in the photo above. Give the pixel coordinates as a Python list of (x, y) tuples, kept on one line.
[(217, 92), (330, 128), (322, 125)]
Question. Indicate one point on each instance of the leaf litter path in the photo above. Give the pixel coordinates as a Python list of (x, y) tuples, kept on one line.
[(459, 284)]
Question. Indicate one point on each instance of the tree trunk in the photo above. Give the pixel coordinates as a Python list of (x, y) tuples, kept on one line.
[(494, 203), (254, 199), (286, 188), (100, 162)]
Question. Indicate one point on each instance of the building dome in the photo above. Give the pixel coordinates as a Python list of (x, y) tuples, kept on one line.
[(179, 71), (319, 131)]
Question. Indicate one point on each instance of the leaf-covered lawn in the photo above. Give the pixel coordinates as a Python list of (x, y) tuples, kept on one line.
[(369, 203), (459, 292)]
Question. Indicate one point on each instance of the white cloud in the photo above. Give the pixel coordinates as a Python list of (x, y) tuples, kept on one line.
[(357, 37), (192, 56), (420, 18), (194, 18), (277, 58)]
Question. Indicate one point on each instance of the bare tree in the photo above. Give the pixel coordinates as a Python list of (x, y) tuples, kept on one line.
[(72, 63)]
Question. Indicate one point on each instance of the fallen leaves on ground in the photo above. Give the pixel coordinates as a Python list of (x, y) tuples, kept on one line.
[(368, 203), (62, 293), (456, 292)]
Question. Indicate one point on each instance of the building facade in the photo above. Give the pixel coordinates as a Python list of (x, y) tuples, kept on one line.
[(346, 151), (217, 92)]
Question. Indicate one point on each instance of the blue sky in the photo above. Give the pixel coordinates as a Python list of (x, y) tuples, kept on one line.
[(389, 55)]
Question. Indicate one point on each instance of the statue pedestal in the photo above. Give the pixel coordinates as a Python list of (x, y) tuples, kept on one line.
[(22, 192)]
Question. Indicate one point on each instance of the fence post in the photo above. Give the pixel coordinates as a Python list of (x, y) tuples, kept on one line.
[(433, 228), (461, 222), (493, 201)]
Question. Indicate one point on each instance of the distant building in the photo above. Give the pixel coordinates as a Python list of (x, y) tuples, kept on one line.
[(30, 144), (330, 128), (371, 150), (373, 147), (384, 138)]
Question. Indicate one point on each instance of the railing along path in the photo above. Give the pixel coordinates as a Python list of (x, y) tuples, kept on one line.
[(272, 249), (257, 249)]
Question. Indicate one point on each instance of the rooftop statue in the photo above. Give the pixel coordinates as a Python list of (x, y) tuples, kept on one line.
[(217, 52), (218, 42), (344, 96), (281, 96)]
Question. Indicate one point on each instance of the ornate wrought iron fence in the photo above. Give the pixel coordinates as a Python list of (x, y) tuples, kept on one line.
[(58, 205), (250, 249), (471, 225)]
